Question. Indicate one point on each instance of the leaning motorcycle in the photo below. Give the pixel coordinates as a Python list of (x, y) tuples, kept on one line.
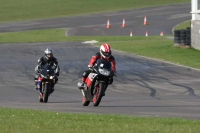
[(47, 78), (96, 83)]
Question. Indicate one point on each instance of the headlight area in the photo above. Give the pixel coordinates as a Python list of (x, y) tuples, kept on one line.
[(104, 72), (51, 77)]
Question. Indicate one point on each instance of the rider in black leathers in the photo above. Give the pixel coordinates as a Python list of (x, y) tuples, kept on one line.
[(48, 58)]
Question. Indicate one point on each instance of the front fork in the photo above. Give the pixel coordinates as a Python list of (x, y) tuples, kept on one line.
[(40, 84)]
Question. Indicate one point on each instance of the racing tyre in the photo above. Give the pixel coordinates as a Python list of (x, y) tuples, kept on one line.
[(46, 93), (99, 93)]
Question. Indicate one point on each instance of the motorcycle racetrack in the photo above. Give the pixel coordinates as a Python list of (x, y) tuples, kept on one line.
[(143, 86)]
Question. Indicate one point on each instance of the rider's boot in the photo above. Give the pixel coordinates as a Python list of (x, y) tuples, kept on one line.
[(38, 87), (82, 85)]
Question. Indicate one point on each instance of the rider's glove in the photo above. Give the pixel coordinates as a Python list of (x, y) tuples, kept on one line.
[(54, 66), (57, 74), (90, 67)]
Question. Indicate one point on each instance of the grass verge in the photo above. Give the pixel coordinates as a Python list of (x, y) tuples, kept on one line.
[(157, 47), (183, 25), (31, 121)]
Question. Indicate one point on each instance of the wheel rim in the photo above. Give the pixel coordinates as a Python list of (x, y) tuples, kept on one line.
[(95, 98), (96, 94)]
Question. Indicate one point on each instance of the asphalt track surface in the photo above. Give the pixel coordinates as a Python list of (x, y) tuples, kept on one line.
[(143, 86)]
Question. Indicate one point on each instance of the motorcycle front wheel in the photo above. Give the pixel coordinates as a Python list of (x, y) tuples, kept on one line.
[(99, 93), (46, 92)]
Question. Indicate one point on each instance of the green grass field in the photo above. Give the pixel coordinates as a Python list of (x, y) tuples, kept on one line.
[(31, 121), (12, 10), (183, 25)]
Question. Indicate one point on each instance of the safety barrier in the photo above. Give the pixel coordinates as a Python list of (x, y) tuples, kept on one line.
[(182, 37)]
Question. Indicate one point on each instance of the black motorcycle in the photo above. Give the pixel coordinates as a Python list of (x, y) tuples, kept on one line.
[(47, 78), (97, 83)]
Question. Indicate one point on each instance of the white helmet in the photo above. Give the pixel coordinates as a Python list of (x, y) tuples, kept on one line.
[(48, 53), (105, 50)]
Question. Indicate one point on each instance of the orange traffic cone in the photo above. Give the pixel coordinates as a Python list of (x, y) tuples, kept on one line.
[(108, 24), (146, 33), (123, 23), (161, 33), (145, 20), (131, 33)]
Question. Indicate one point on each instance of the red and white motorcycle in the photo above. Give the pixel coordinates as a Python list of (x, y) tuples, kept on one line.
[(97, 83)]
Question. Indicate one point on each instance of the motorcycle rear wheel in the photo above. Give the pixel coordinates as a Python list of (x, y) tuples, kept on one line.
[(99, 94)]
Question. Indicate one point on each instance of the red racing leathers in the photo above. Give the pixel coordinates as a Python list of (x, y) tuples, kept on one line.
[(93, 61)]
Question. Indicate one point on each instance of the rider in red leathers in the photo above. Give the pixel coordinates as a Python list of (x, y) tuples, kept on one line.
[(105, 53)]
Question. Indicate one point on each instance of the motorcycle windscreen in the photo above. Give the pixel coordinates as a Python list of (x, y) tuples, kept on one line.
[(47, 69), (104, 64)]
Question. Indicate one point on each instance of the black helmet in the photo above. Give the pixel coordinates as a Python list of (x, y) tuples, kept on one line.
[(48, 53)]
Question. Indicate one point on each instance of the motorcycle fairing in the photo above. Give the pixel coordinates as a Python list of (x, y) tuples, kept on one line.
[(90, 78)]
